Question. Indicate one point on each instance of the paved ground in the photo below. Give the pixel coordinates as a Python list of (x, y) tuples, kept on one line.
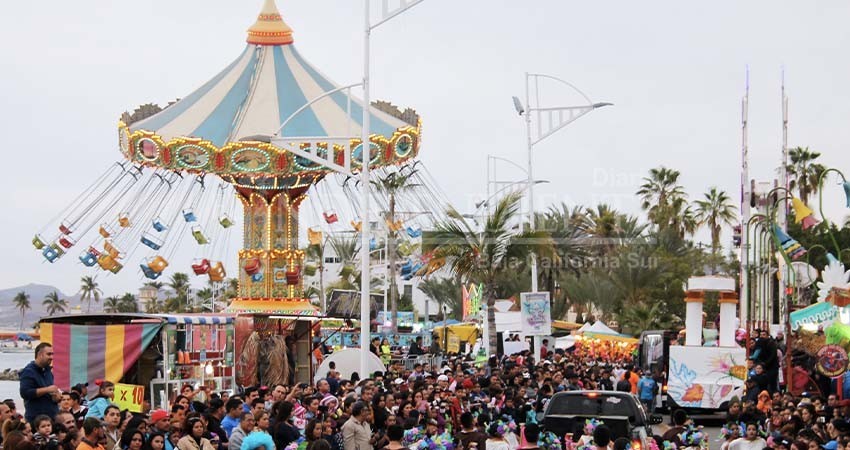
[(712, 427)]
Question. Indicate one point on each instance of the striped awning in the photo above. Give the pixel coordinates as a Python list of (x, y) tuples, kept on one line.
[(196, 319)]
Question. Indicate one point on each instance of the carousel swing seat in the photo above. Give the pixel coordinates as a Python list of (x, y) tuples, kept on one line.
[(217, 272), (151, 241), (105, 230), (225, 221), (189, 215), (414, 233), (201, 267), (330, 217), (107, 262), (124, 220), (293, 277), (159, 225), (314, 236), (253, 266), (66, 241), (198, 234), (157, 263), (406, 268), (65, 228), (413, 271), (51, 253), (394, 226), (38, 242), (310, 269), (149, 273), (373, 244), (357, 226), (111, 250), (88, 259)]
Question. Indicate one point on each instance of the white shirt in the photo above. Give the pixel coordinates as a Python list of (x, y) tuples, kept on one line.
[(744, 444)]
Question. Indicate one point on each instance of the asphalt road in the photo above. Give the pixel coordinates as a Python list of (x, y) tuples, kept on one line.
[(710, 426)]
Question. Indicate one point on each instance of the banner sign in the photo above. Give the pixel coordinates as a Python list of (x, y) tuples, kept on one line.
[(129, 397), (536, 313)]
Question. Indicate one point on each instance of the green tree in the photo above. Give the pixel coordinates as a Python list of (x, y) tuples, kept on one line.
[(392, 185), (482, 255), (22, 304), (112, 304), (643, 316), (53, 304), (128, 303), (803, 172), (445, 292), (662, 196), (89, 291), (179, 285), (204, 295), (714, 210)]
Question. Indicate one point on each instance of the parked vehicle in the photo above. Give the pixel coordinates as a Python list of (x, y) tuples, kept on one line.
[(622, 412)]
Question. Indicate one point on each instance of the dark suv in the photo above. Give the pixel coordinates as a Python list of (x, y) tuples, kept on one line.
[(622, 412)]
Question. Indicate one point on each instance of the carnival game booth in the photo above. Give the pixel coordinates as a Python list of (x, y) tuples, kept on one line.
[(160, 353)]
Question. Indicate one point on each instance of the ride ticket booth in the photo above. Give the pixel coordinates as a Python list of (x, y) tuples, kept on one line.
[(150, 357)]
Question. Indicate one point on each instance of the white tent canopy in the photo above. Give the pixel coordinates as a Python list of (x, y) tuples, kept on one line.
[(598, 328)]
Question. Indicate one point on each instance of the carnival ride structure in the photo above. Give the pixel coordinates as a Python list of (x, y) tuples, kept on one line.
[(269, 127)]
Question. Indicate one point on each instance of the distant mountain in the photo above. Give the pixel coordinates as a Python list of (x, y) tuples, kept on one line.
[(10, 317)]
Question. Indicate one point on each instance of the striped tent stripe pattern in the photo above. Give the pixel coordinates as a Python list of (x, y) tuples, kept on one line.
[(84, 353), (256, 93)]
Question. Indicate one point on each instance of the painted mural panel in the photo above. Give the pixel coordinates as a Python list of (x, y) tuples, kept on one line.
[(706, 377)]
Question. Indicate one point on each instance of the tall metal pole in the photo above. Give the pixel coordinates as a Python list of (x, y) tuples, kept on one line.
[(537, 340), (745, 210), (783, 208), (530, 184), (365, 152)]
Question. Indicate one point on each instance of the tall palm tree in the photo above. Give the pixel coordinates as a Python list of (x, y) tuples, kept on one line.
[(803, 172), (179, 283), (204, 295), (128, 303), (486, 254), (644, 316), (22, 303), (112, 304), (444, 291), (568, 230), (53, 304), (89, 291), (317, 253), (152, 305), (714, 210), (659, 193), (392, 185)]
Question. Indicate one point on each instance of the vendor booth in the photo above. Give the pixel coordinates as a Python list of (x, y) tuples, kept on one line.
[(451, 336), (161, 353)]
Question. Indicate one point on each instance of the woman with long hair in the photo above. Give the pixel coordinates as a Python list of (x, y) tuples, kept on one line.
[(284, 431), (132, 439), (105, 394), (155, 441), (193, 438)]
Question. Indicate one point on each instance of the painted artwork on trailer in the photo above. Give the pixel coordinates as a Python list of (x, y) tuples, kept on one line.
[(705, 377)]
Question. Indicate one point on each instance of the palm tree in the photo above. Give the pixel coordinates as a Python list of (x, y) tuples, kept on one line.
[(391, 185), (128, 303), (53, 304), (90, 291), (317, 253), (568, 229), (179, 283), (659, 193), (714, 211), (204, 295), (444, 291), (112, 304), (483, 256), (644, 316), (152, 305), (22, 303), (804, 173)]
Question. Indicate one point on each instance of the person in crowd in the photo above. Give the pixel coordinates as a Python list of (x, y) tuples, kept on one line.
[(234, 412), (155, 441), (93, 433), (750, 440), (246, 426), (132, 439), (356, 432), (40, 394), (194, 436), (105, 394), (646, 391)]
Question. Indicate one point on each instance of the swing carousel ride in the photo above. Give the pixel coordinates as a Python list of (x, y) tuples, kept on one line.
[(269, 127)]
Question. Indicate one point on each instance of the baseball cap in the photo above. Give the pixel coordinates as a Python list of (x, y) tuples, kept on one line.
[(398, 381), (158, 414), (442, 378), (831, 445)]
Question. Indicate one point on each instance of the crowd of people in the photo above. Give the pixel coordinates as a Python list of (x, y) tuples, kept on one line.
[(426, 406)]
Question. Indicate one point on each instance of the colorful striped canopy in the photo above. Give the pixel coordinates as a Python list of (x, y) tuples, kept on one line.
[(84, 353), (196, 319)]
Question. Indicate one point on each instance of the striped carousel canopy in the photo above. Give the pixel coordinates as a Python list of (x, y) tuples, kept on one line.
[(261, 89)]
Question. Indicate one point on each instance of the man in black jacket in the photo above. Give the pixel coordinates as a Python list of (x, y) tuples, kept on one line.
[(40, 395)]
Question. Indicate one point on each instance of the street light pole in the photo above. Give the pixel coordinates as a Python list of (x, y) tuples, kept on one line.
[(365, 153), (557, 117)]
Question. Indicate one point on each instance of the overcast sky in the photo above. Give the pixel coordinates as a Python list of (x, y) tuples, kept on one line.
[(674, 70)]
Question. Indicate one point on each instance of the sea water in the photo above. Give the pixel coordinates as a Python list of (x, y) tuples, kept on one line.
[(10, 389)]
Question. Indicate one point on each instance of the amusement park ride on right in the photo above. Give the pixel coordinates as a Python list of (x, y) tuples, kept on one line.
[(269, 126)]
